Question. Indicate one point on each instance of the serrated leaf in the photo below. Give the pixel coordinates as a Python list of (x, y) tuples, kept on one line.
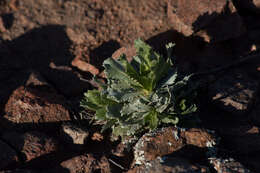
[(170, 79), (115, 70)]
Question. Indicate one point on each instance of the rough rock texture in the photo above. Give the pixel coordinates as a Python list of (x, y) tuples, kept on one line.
[(8, 156), (169, 140), (228, 166), (73, 134), (241, 139), (83, 164), (207, 15), (31, 144), (36, 103), (168, 165), (234, 92)]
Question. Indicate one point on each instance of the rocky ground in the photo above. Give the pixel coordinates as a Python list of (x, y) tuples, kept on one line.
[(49, 51)]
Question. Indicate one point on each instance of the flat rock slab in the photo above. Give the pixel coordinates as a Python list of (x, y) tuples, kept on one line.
[(234, 92), (8, 156)]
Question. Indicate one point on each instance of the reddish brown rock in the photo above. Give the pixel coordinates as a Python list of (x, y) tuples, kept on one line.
[(8, 156), (36, 103), (128, 51), (84, 164), (169, 140), (228, 165), (208, 15), (31, 144), (84, 66)]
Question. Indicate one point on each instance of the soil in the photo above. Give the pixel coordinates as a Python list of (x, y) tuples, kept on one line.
[(47, 37)]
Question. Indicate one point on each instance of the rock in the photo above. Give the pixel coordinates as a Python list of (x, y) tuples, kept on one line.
[(36, 104), (8, 156), (31, 144), (169, 140), (83, 164), (228, 165), (243, 139), (129, 51), (234, 92), (84, 66), (168, 165), (73, 135), (208, 15)]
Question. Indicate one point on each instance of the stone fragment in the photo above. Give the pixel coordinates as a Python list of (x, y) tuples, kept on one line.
[(84, 66), (73, 134), (31, 144), (129, 51)]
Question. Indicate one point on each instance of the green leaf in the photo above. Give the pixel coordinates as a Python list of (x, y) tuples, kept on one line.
[(115, 70), (173, 120), (151, 119), (101, 114)]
